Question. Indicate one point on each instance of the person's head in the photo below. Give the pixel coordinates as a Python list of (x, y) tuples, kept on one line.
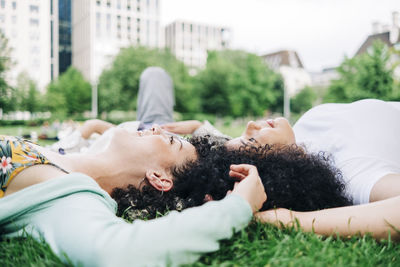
[(146, 157), (266, 132), (292, 179)]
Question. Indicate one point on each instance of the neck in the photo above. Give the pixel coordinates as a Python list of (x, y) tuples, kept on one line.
[(108, 171)]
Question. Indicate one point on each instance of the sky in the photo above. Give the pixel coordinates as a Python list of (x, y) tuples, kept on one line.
[(322, 32)]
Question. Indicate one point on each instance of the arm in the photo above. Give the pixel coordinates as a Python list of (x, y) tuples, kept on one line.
[(91, 234), (182, 127), (94, 126), (377, 218), (84, 228)]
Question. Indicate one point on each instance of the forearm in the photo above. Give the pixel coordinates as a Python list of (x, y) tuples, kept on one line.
[(105, 240), (378, 219), (94, 126)]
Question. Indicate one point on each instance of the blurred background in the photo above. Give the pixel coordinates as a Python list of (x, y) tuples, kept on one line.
[(63, 61)]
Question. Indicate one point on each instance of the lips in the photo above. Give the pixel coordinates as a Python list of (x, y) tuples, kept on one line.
[(271, 123)]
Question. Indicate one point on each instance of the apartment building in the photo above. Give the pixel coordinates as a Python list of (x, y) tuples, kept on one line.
[(189, 41), (102, 27), (31, 29)]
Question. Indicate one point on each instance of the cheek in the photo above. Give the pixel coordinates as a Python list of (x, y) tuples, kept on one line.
[(265, 136)]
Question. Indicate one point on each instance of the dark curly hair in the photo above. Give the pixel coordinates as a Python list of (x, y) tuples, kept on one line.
[(293, 179)]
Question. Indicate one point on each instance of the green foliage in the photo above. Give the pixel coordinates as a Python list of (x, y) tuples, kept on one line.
[(119, 85), (70, 94), (303, 100), (26, 96), (5, 90), (237, 83), (369, 75)]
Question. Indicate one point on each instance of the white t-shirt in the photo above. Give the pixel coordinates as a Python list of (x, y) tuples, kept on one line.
[(363, 138)]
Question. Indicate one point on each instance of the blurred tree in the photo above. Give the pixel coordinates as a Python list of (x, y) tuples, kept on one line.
[(238, 83), (70, 94), (369, 75), (5, 62), (118, 85), (26, 95), (303, 100)]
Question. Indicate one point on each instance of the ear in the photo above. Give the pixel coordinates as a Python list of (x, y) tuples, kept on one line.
[(208, 197), (159, 180)]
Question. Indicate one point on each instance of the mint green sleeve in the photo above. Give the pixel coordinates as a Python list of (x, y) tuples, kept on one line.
[(82, 227)]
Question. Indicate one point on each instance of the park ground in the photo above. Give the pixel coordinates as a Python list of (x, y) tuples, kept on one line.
[(257, 245)]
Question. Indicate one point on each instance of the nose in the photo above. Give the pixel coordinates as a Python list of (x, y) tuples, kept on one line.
[(156, 130), (252, 125)]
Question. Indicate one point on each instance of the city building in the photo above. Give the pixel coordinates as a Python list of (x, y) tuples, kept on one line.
[(102, 27), (64, 35), (289, 65), (31, 29), (295, 77), (324, 78), (389, 35), (189, 41)]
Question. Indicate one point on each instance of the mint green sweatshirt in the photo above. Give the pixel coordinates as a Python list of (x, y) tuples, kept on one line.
[(77, 218)]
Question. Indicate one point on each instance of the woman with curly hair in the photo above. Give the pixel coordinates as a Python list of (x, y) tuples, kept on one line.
[(64, 200), (363, 141), (288, 174)]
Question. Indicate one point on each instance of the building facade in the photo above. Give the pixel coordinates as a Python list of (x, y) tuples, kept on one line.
[(189, 42), (102, 27), (64, 35), (289, 65), (31, 29)]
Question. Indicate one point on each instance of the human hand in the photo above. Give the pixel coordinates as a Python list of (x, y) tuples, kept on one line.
[(250, 187), (182, 127), (278, 217)]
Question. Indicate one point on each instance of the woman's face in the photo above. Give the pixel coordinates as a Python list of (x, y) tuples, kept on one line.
[(260, 133), (155, 146)]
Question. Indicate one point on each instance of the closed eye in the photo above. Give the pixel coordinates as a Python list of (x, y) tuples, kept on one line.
[(171, 140)]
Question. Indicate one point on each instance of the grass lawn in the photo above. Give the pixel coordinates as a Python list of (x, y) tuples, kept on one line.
[(257, 245)]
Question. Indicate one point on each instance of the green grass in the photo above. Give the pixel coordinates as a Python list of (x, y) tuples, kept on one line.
[(257, 245)]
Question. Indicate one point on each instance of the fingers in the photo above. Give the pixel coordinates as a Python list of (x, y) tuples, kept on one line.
[(238, 175), (242, 170)]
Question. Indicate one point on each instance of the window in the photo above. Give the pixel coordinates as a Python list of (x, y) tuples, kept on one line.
[(34, 22), (14, 19), (34, 36), (108, 23), (2, 18), (98, 2), (119, 4), (128, 4), (98, 24), (34, 8), (14, 5), (138, 6), (108, 3), (3, 3)]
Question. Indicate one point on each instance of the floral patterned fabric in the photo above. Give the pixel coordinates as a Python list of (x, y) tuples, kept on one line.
[(16, 154)]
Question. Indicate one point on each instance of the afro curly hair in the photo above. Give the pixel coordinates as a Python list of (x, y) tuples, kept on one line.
[(293, 179)]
